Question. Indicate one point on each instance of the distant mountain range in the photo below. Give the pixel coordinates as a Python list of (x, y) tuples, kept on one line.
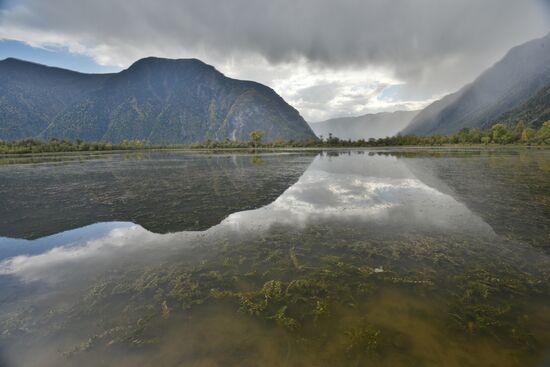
[(160, 100), (512, 82), (166, 101), (376, 125)]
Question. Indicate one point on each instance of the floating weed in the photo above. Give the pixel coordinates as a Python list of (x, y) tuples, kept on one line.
[(272, 290), (363, 339), (294, 258), (320, 310), (283, 320)]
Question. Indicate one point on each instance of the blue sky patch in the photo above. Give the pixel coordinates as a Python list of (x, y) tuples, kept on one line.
[(59, 57)]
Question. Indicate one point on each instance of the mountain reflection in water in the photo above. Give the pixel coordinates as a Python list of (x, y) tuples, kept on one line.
[(163, 192), (366, 258)]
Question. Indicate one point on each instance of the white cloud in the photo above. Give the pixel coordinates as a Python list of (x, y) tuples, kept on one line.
[(354, 48), (321, 92)]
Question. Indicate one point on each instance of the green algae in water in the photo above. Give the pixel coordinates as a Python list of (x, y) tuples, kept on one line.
[(359, 263)]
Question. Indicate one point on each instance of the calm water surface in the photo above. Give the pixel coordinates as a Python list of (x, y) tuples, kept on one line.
[(379, 258)]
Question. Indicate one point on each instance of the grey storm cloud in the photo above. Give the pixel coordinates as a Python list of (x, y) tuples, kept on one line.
[(432, 46)]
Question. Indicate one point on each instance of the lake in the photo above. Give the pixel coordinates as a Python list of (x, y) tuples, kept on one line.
[(390, 257)]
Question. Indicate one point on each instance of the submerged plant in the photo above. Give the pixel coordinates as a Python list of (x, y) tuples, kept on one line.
[(363, 339), (306, 290)]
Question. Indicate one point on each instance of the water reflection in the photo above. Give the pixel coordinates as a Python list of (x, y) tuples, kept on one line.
[(379, 191), (163, 192), (366, 258)]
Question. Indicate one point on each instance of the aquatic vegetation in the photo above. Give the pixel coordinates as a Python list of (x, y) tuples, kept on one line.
[(331, 292), (283, 320), (363, 338), (489, 304), (304, 289)]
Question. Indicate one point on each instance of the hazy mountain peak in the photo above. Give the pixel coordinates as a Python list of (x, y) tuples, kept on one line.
[(372, 125), (517, 77)]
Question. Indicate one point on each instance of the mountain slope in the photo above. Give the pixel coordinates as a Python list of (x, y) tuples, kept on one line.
[(377, 125), (32, 95), (160, 100), (523, 72), (533, 113)]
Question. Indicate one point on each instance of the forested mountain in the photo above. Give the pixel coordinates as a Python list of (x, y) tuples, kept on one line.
[(376, 125), (533, 113), (520, 75), (33, 95), (162, 101)]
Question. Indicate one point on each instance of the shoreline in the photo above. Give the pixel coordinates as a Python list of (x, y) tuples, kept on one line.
[(445, 147)]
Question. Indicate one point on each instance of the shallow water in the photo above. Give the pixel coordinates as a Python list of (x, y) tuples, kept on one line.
[(381, 258)]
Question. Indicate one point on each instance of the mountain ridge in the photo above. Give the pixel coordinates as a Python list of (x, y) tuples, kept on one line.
[(164, 101), (371, 125), (518, 76)]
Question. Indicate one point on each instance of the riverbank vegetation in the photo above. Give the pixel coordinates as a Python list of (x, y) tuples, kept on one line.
[(498, 134)]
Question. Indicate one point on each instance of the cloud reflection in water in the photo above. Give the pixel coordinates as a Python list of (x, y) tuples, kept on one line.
[(374, 190)]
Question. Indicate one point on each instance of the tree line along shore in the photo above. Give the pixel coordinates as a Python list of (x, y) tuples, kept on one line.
[(498, 134)]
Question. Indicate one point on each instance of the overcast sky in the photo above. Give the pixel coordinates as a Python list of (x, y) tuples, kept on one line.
[(327, 58)]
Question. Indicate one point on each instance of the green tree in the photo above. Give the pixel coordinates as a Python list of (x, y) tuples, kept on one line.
[(520, 127), (475, 136), (256, 137), (499, 132), (543, 135), (527, 135), (464, 135)]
